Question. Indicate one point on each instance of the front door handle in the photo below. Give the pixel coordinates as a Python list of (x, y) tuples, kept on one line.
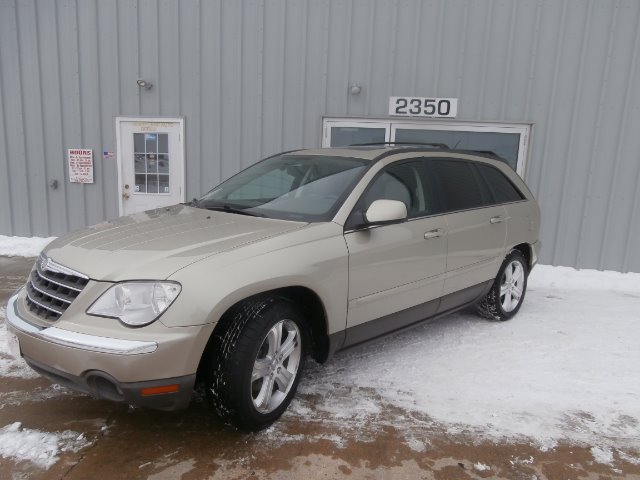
[(497, 219), (433, 234)]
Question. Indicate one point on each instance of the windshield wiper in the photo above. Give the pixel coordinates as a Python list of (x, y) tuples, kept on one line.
[(230, 209)]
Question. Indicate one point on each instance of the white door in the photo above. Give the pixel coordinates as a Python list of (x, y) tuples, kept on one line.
[(150, 163)]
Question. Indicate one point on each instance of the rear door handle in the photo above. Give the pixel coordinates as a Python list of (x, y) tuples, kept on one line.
[(433, 234), (497, 219)]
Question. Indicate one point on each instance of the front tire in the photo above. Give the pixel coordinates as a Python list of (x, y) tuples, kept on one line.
[(256, 362), (508, 290)]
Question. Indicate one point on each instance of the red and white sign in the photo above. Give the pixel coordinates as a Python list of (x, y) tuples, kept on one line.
[(80, 165)]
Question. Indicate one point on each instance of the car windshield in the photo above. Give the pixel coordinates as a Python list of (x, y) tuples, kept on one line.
[(307, 188)]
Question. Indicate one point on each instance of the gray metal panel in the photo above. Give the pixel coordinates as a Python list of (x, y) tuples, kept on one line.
[(13, 119), (254, 77)]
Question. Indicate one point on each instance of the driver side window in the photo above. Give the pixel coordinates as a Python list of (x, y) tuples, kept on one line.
[(401, 182)]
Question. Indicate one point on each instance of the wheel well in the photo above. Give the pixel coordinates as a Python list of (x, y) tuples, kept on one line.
[(315, 315), (525, 249), (312, 308)]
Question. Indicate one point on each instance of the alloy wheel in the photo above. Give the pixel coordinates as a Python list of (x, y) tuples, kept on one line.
[(276, 366)]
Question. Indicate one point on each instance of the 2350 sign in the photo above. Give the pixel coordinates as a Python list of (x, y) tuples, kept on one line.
[(423, 107)]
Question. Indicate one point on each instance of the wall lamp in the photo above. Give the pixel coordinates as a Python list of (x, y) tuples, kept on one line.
[(144, 84)]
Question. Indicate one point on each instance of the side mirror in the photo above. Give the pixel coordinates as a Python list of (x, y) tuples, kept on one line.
[(386, 211)]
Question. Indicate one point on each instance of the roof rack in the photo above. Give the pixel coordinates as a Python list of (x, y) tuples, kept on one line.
[(420, 144)]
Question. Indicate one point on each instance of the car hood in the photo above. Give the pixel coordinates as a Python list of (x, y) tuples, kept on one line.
[(156, 243)]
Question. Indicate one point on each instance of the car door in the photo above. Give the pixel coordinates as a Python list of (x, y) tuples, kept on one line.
[(476, 229), (395, 271)]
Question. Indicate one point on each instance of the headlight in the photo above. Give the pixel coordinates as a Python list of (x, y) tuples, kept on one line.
[(136, 303)]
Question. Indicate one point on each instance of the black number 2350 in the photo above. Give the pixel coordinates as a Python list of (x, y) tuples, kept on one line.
[(423, 107)]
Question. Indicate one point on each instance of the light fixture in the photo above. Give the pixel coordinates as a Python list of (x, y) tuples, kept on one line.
[(142, 83), (355, 89)]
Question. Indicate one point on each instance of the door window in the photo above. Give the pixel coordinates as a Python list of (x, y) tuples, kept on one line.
[(402, 182), (457, 185), (151, 153)]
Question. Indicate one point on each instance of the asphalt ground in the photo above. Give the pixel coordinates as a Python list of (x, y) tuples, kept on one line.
[(310, 443)]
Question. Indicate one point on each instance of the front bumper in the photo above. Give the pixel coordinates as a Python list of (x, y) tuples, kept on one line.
[(92, 343), (104, 386), (111, 366)]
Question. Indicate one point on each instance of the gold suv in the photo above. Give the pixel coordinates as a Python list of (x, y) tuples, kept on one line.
[(304, 253)]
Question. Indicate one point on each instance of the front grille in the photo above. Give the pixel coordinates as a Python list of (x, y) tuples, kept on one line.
[(51, 288)]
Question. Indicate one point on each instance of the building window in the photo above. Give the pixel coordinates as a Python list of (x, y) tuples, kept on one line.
[(508, 141)]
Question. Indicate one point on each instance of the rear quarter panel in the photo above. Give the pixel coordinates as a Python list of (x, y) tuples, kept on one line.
[(523, 218), (523, 223)]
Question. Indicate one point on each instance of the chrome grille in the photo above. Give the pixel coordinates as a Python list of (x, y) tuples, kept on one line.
[(51, 288)]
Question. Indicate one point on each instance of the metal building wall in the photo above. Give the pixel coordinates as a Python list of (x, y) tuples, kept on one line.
[(254, 77)]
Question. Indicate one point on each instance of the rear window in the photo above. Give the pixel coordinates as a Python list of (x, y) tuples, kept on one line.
[(503, 190)]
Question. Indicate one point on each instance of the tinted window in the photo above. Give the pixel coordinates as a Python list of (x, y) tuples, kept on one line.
[(456, 184), (503, 190)]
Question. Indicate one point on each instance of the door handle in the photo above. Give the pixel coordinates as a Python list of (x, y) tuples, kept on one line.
[(433, 234), (496, 219)]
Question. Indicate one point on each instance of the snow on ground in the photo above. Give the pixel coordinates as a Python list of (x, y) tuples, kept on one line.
[(9, 365), (23, 246), (567, 367), (41, 448)]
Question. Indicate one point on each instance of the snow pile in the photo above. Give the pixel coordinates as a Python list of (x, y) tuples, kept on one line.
[(566, 367), (11, 366), (41, 448), (602, 455), (22, 246)]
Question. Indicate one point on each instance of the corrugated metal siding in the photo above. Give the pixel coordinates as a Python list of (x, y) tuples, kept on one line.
[(255, 77)]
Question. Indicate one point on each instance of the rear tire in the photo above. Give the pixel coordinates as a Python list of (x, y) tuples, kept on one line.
[(508, 290), (256, 362)]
